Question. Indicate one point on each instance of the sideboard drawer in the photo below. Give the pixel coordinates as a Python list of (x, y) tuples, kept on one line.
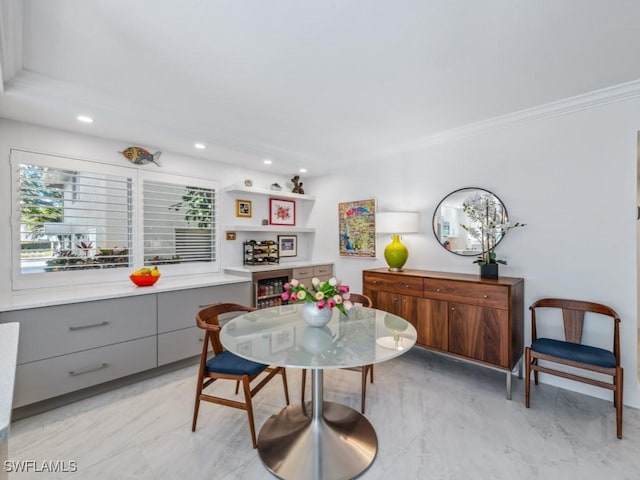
[(62, 329), (323, 272), (302, 272), (402, 284), (494, 296), (49, 378), (180, 344), (177, 309)]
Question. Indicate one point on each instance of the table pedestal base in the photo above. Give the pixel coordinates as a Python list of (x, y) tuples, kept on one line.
[(338, 443)]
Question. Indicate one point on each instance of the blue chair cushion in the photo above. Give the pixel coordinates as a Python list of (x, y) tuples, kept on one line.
[(227, 362), (574, 351)]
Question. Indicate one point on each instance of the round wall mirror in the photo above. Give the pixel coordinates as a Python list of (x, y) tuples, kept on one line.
[(455, 230)]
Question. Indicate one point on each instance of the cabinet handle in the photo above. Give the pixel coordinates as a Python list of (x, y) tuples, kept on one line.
[(453, 309), (82, 327), (74, 373), (437, 289), (407, 286), (486, 296), (395, 299)]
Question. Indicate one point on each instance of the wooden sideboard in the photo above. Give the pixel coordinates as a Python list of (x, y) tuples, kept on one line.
[(461, 315)]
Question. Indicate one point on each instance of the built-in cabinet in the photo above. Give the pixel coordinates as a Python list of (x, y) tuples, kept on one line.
[(462, 315), (65, 348), (178, 335)]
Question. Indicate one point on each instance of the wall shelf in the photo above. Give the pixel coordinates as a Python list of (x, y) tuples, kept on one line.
[(267, 191)]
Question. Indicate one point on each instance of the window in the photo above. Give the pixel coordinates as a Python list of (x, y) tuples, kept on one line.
[(80, 222), (179, 223)]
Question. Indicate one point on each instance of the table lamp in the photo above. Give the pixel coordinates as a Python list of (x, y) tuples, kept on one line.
[(395, 223)]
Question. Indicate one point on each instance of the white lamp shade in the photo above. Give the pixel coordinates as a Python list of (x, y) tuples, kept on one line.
[(396, 222)]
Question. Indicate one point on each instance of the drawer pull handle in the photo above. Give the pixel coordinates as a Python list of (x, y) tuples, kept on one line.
[(82, 327), (453, 309), (88, 370), (437, 289), (486, 296)]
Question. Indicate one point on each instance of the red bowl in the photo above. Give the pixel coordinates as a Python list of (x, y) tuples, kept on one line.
[(144, 280)]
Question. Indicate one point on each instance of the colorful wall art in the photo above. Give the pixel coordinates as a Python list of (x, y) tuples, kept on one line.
[(357, 228)]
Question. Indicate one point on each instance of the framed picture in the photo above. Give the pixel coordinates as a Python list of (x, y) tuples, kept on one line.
[(282, 339), (288, 245), (282, 212), (357, 228), (243, 208)]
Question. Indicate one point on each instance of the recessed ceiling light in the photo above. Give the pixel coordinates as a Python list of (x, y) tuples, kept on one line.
[(268, 162), (199, 146), (303, 170), (85, 119)]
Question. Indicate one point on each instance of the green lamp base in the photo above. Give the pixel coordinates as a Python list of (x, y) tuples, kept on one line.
[(396, 254)]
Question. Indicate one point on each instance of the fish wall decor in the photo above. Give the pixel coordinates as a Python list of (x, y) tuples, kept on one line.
[(140, 156)]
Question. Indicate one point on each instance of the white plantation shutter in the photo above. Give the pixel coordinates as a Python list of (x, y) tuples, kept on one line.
[(179, 223), (72, 219)]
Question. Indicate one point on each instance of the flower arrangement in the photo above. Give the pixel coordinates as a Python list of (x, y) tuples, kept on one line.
[(490, 224), (327, 294)]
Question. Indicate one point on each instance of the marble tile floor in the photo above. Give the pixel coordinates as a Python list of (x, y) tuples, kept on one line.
[(436, 418)]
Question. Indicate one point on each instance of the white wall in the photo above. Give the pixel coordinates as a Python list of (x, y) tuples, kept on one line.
[(572, 179)]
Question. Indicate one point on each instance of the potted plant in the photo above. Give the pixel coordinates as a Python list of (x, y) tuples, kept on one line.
[(488, 224)]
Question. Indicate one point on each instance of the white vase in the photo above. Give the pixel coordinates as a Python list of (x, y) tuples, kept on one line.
[(314, 316)]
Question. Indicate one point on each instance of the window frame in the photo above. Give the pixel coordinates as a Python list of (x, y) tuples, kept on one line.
[(28, 281), (189, 267)]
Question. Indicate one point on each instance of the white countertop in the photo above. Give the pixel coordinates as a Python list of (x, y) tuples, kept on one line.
[(249, 269), (8, 359), (44, 297)]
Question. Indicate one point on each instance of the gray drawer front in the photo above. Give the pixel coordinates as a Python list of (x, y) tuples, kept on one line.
[(180, 344), (49, 378), (58, 330), (177, 310)]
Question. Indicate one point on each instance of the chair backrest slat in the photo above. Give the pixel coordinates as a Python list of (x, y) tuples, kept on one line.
[(573, 324)]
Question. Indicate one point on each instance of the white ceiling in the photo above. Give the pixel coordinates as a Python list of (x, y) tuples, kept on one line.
[(306, 83)]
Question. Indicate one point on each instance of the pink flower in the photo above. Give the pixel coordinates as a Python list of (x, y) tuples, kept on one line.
[(294, 282), (287, 286), (347, 304), (331, 302), (293, 297), (343, 289), (321, 304), (285, 296)]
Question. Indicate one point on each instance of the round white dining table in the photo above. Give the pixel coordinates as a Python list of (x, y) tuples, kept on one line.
[(317, 440)]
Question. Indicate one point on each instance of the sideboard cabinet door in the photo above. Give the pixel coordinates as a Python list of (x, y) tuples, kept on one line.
[(479, 333)]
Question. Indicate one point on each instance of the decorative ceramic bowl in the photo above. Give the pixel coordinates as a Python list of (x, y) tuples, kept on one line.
[(144, 280)]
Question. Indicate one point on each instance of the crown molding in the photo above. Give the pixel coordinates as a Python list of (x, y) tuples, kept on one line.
[(11, 21), (567, 106)]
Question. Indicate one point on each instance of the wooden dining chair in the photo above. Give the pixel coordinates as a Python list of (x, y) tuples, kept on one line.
[(224, 365), (365, 370), (572, 352)]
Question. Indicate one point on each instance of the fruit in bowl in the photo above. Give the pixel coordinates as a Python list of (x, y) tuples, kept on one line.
[(145, 277)]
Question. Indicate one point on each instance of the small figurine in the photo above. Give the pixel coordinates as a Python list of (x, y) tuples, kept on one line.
[(297, 185), (275, 186)]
